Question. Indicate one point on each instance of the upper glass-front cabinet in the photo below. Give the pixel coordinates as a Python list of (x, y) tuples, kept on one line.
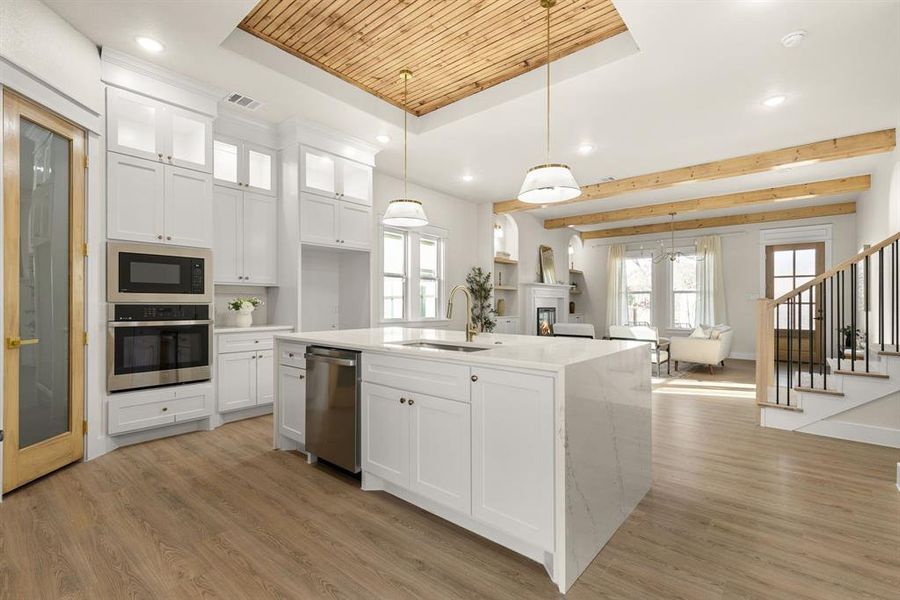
[(146, 128), (243, 165), (329, 175)]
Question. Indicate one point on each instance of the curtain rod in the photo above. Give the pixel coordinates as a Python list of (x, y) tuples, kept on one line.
[(653, 240)]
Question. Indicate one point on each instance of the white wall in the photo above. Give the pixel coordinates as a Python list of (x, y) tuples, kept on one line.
[(458, 217), (532, 235)]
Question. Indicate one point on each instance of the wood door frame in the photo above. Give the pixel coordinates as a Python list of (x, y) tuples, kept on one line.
[(820, 248), (23, 465)]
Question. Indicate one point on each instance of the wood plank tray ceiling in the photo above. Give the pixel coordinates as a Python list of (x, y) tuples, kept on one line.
[(454, 48)]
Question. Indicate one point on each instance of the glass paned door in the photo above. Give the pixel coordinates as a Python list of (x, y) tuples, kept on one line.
[(43, 171), (788, 266)]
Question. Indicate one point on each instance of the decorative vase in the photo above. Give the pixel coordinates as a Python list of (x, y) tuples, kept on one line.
[(501, 307), (244, 318)]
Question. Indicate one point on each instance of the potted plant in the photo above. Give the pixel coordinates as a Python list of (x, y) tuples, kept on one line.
[(851, 336), (244, 308), (480, 286)]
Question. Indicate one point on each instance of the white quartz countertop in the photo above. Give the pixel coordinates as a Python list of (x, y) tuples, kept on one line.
[(531, 352), (253, 329)]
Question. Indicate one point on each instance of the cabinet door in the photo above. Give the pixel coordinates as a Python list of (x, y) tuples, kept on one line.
[(135, 193), (440, 466), (319, 220), (265, 377), (385, 433), (227, 161), (260, 230), (135, 124), (236, 374), (318, 172), (355, 182), (355, 226), (512, 453), (228, 235), (188, 207), (188, 140), (259, 169), (292, 403)]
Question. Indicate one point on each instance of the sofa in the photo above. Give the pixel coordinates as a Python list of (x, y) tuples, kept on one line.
[(705, 346)]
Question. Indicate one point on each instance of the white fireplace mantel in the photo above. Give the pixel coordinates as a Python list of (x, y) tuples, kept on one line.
[(544, 295)]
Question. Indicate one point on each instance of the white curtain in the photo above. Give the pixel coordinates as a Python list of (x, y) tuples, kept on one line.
[(616, 308), (710, 282)]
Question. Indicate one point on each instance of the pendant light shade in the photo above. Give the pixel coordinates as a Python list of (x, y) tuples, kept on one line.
[(550, 182), (545, 184), (404, 212)]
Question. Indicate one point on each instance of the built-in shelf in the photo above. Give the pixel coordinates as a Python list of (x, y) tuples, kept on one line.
[(576, 272), (506, 288), (505, 261)]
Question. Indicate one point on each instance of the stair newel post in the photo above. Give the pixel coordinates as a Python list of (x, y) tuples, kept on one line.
[(881, 297), (766, 337), (853, 286), (790, 350), (866, 308), (823, 343), (775, 361), (840, 317), (896, 296), (809, 325)]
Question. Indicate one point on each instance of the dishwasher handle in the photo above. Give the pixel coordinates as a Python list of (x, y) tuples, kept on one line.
[(343, 362)]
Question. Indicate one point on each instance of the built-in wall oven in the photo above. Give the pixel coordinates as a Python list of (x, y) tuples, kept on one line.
[(150, 345), (151, 273)]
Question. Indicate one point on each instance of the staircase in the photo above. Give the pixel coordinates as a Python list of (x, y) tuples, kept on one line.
[(812, 375)]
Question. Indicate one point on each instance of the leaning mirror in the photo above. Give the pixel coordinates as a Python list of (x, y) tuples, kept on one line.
[(548, 269)]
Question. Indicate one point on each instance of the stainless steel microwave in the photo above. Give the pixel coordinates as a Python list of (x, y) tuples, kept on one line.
[(148, 273)]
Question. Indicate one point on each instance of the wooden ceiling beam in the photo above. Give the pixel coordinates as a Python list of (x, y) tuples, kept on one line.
[(814, 189), (791, 214), (834, 149)]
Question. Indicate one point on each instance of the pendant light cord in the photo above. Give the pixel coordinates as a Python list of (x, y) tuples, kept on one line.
[(548, 81), (405, 82)]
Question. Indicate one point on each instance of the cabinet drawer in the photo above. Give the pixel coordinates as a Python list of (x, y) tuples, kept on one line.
[(156, 408), (245, 342), (444, 380), (291, 355)]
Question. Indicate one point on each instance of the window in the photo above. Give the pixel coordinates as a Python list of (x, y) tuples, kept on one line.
[(412, 278), (684, 292), (638, 287), (788, 266)]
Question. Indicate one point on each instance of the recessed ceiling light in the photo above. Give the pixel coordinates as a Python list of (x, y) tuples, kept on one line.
[(383, 139), (149, 44), (793, 39), (585, 148), (773, 101), (467, 178)]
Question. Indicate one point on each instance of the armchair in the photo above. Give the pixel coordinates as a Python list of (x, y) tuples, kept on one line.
[(712, 350), (659, 347)]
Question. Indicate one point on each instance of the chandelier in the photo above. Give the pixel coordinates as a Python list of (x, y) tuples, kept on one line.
[(671, 253)]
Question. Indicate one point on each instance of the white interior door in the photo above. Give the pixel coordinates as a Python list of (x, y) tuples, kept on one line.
[(188, 207), (385, 433), (260, 230), (228, 235), (135, 199)]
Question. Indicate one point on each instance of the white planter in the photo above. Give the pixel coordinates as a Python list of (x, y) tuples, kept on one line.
[(243, 318)]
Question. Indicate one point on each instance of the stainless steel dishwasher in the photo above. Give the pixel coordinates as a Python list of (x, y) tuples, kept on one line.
[(333, 406)]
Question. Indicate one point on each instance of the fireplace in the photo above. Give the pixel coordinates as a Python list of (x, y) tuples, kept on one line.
[(546, 317)]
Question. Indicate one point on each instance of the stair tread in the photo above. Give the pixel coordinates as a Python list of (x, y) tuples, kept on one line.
[(862, 373), (888, 353), (781, 406), (830, 392)]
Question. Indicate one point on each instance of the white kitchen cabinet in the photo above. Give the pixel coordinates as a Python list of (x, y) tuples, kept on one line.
[(335, 177), (265, 377), (188, 207), (147, 128), (512, 467), (236, 377), (385, 433), (507, 325), (151, 202), (576, 318), (245, 237), (419, 442), (332, 222), (440, 446), (135, 192), (292, 403), (244, 166), (146, 409)]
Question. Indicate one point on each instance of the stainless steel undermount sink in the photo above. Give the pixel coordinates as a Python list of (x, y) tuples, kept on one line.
[(443, 346)]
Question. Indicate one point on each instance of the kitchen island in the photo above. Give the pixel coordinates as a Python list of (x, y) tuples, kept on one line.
[(540, 444)]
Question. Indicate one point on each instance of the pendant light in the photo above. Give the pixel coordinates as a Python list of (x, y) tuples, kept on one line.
[(405, 212), (549, 182)]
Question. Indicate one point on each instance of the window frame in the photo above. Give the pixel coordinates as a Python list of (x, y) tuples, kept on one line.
[(670, 284), (640, 255), (413, 275)]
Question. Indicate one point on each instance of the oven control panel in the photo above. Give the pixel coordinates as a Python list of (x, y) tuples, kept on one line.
[(161, 312)]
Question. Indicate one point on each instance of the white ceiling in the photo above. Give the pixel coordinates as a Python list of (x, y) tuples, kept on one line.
[(690, 94)]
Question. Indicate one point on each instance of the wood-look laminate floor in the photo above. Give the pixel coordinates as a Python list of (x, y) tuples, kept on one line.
[(735, 511)]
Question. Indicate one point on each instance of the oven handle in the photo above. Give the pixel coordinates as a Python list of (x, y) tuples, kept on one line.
[(114, 324)]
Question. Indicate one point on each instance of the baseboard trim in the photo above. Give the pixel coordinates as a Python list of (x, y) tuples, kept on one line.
[(866, 434)]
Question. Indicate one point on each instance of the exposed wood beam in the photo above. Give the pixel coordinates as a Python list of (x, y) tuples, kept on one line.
[(791, 214), (833, 149), (832, 187)]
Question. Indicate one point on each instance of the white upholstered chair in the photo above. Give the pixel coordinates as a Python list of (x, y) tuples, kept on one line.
[(711, 350), (659, 348)]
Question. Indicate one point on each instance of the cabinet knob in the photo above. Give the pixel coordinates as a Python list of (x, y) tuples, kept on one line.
[(402, 400), (411, 402), (255, 341), (159, 154), (302, 376), (165, 408), (290, 354), (159, 237), (474, 377), (170, 158), (168, 237)]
